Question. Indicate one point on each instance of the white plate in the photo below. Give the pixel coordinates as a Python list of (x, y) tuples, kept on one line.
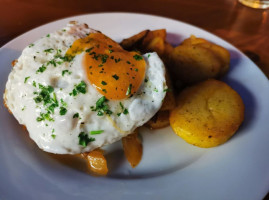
[(170, 168)]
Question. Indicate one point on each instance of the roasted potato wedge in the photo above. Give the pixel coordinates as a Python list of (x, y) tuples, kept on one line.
[(207, 114), (193, 40), (222, 53), (191, 64), (159, 120), (133, 148), (134, 42), (151, 35), (96, 162)]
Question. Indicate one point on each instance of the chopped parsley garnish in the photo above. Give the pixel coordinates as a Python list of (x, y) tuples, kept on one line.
[(136, 69), (128, 62), (117, 60), (63, 103), (104, 57), (34, 83), (129, 90), (101, 65), (48, 35), (104, 90), (63, 110), (47, 96), (101, 107), (84, 139), (53, 136), (148, 55), (146, 80), (96, 132), (31, 45), (155, 90), (50, 50), (138, 57), (23, 108), (124, 110), (110, 46), (103, 83), (26, 78), (44, 116), (110, 50), (76, 115), (66, 71), (80, 88), (41, 69), (89, 50), (115, 76)]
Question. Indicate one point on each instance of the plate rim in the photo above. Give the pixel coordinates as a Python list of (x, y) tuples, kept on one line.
[(128, 13)]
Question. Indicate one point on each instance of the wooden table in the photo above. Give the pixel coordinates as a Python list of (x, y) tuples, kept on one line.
[(246, 28)]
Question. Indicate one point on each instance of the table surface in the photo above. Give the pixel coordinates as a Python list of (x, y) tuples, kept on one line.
[(246, 28)]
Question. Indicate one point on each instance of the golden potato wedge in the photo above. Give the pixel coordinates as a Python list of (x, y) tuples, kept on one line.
[(96, 162), (160, 33), (132, 42), (222, 53), (159, 120), (193, 40), (133, 148), (191, 64), (154, 41), (207, 114), (155, 45)]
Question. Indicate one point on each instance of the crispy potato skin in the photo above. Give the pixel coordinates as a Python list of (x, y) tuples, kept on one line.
[(134, 41), (207, 114), (133, 148), (159, 120)]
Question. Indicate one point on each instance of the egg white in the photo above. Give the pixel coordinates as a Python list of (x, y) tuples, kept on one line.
[(61, 135)]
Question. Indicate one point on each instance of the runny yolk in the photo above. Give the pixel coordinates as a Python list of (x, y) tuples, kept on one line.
[(114, 72)]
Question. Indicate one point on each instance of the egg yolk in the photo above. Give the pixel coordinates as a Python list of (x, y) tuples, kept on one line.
[(114, 72)]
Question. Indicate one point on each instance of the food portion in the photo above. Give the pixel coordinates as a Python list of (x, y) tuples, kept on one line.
[(133, 148), (197, 59), (207, 114), (96, 162), (76, 90)]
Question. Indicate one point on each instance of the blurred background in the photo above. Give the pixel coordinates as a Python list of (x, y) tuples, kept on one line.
[(244, 27)]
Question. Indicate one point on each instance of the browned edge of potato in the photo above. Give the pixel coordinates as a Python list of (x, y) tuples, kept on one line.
[(133, 148)]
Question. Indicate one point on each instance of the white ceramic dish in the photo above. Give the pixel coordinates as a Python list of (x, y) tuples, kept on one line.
[(170, 168)]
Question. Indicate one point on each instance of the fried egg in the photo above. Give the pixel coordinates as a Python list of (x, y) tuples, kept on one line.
[(76, 90)]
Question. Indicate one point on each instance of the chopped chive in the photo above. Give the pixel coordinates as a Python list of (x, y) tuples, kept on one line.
[(48, 35), (128, 92), (26, 78), (103, 83), (41, 69), (96, 132), (53, 136)]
